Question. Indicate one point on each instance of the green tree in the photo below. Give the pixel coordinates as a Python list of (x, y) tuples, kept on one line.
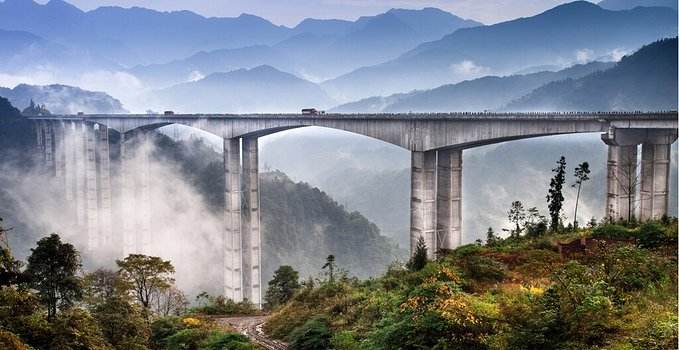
[(145, 276), (100, 285), (517, 215), (122, 323), (330, 266), (419, 259), (581, 175), (52, 269), (315, 334), (282, 287), (75, 329), (555, 196), (10, 268), (491, 238)]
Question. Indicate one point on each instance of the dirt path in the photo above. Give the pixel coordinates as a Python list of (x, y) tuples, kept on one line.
[(251, 326)]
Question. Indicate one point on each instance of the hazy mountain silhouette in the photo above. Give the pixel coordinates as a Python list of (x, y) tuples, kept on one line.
[(137, 35), (318, 49), (62, 99), (487, 93), (23, 52), (646, 80), (629, 4), (369, 40), (205, 63), (132, 36), (577, 31), (323, 27), (260, 89)]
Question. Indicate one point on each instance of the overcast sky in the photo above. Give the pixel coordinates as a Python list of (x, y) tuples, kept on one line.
[(290, 12)]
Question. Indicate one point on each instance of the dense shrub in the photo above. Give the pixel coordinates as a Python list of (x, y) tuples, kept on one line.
[(483, 268), (186, 339), (611, 231), (10, 341), (344, 340), (75, 329), (314, 334), (122, 324), (658, 335), (162, 328), (651, 235), (227, 341), (222, 306)]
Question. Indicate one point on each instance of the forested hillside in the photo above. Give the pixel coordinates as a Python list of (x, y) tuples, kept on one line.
[(617, 292), (645, 80), (301, 225)]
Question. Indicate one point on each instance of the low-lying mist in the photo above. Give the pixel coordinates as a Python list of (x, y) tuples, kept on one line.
[(183, 228)]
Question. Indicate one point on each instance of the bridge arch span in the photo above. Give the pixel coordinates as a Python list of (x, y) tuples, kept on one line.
[(436, 143)]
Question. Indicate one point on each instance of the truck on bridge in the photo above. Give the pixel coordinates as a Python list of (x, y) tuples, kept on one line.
[(312, 111)]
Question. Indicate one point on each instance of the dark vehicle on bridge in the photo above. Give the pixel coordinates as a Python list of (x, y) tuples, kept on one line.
[(312, 111)]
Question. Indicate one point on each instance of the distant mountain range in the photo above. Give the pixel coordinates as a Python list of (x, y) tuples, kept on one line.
[(487, 93), (257, 90), (424, 59), (132, 36), (22, 52), (629, 4), (319, 48), (62, 99), (577, 31), (646, 80)]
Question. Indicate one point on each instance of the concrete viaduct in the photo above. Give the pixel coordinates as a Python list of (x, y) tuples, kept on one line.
[(73, 145)]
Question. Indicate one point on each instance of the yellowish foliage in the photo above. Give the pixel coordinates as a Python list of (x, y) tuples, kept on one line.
[(191, 322)]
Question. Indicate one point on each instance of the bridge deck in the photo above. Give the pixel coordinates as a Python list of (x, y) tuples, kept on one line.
[(461, 116)]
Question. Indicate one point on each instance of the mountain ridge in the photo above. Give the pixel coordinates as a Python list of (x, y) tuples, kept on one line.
[(566, 33)]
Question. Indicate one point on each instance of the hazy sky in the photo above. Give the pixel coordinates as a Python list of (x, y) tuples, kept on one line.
[(290, 12)]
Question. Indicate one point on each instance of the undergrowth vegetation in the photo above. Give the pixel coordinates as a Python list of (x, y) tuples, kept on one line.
[(516, 293)]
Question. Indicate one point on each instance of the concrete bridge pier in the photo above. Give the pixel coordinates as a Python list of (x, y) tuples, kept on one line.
[(48, 146), (91, 187), (242, 236), (69, 162), (128, 196), (423, 201), (621, 182), (145, 238), (104, 178), (436, 199), (79, 176), (233, 258), (251, 222), (59, 153), (655, 174), (449, 199), (630, 188)]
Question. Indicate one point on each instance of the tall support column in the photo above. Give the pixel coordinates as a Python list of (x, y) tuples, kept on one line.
[(622, 181), (59, 152), (145, 239), (128, 198), (655, 177), (233, 276), (40, 138), (80, 175), (91, 188), (423, 200), (48, 128), (251, 235), (449, 199), (69, 161), (104, 172)]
